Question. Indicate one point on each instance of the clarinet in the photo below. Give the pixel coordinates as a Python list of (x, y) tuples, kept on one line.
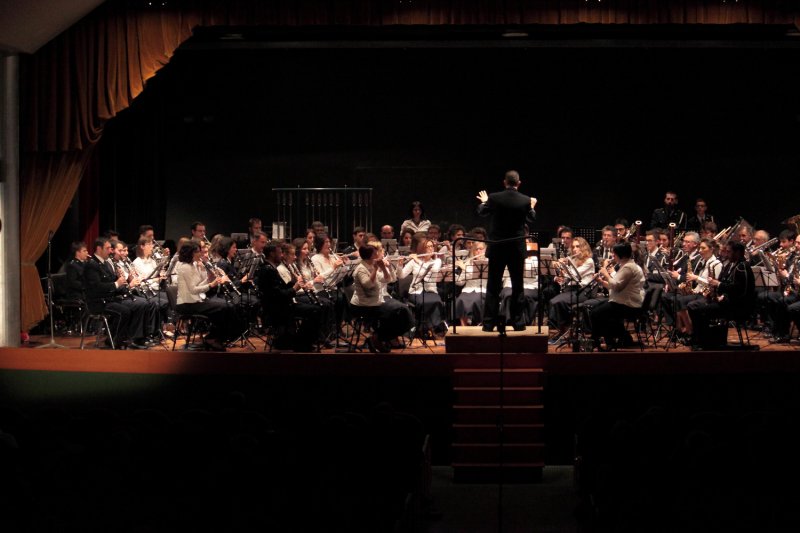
[(299, 275)]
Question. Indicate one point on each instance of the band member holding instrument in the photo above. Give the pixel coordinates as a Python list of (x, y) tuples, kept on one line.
[(107, 292), (735, 294), (700, 217), (369, 278), (421, 267), (152, 273), (397, 312), (669, 213), (406, 237), (707, 267), (625, 298), (780, 303), (469, 304), (580, 272), (417, 222), (510, 212), (605, 248), (280, 308), (198, 231), (193, 284)]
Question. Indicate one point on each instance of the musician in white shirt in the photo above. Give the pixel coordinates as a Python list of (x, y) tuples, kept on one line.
[(193, 283), (472, 280), (578, 272), (417, 222), (625, 298), (369, 277), (423, 267)]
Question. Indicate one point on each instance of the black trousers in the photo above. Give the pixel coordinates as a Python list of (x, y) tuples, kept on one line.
[(502, 257), (220, 313), (608, 321)]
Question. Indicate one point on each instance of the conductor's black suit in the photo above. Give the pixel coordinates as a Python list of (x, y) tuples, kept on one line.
[(510, 211)]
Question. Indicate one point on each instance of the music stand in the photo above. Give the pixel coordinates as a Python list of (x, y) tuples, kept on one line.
[(428, 276), (389, 246), (240, 238), (52, 343), (333, 282), (574, 335), (765, 278)]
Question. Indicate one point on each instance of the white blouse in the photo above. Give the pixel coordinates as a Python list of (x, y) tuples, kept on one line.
[(192, 282), (145, 267), (422, 225)]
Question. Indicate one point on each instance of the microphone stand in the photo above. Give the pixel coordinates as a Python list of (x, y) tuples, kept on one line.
[(52, 343)]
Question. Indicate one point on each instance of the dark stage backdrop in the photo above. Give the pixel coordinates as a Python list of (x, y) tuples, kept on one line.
[(595, 133)]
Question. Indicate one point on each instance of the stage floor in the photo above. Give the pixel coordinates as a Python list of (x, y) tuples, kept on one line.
[(436, 346)]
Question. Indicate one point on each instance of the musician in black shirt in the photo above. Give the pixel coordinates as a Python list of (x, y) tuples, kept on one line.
[(669, 213), (280, 307)]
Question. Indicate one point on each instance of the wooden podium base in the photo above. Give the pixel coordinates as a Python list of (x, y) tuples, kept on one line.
[(472, 339)]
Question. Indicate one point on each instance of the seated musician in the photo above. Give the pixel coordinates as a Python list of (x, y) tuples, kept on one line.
[(577, 273), (696, 285), (653, 258), (744, 234), (456, 231), (227, 250), (701, 216), (781, 304), (311, 235), (247, 262), (330, 267), (530, 289), (406, 238), (756, 258), (152, 273), (107, 292), (472, 277), (172, 275), (397, 312), (604, 248), (302, 267), (688, 259), (708, 230), (74, 284), (422, 266), (281, 308), (141, 293), (732, 296), (621, 229), (369, 279), (625, 298), (193, 284)]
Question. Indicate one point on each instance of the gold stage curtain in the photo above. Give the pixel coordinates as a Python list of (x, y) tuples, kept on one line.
[(92, 71), (71, 87)]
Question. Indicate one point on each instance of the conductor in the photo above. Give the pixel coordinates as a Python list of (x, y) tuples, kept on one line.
[(510, 211)]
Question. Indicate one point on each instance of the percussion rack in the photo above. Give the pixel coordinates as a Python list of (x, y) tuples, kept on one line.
[(340, 209)]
